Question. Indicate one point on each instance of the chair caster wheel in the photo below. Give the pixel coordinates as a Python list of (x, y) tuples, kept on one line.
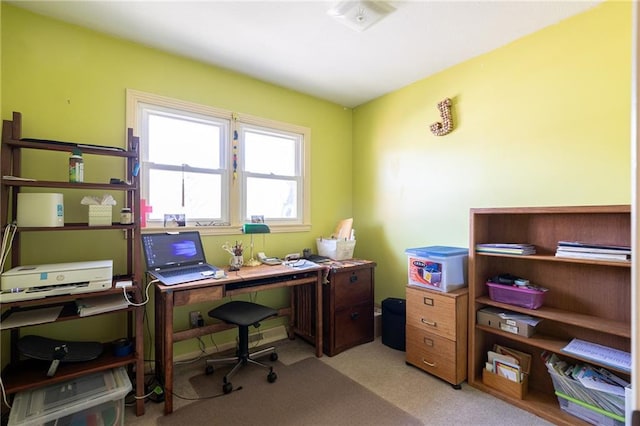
[(208, 370), (227, 388), (273, 356), (272, 377)]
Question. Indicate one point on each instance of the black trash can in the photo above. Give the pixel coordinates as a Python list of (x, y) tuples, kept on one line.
[(394, 319)]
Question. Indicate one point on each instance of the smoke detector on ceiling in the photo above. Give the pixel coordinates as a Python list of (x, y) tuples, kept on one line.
[(360, 15)]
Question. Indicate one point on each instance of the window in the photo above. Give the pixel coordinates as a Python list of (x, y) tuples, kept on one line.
[(219, 168)]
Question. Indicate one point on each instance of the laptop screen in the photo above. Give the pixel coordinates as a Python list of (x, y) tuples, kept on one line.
[(164, 250)]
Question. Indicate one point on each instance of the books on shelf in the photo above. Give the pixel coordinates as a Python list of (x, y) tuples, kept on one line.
[(580, 250), (100, 304), (506, 248)]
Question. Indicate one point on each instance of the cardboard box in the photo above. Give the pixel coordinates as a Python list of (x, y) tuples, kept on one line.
[(100, 215), (491, 317), (438, 267), (98, 399)]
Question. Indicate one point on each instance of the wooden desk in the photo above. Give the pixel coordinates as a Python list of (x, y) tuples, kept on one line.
[(256, 278)]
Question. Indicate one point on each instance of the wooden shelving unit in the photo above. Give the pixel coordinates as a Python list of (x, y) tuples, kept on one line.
[(23, 374), (587, 299)]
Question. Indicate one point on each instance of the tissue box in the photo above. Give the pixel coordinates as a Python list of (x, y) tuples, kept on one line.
[(100, 215)]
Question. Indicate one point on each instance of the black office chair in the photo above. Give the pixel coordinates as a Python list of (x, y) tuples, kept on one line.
[(243, 314)]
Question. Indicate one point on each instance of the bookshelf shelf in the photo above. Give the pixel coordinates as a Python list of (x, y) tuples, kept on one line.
[(587, 299)]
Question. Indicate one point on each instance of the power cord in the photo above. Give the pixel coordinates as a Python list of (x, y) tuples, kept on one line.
[(146, 294), (7, 240)]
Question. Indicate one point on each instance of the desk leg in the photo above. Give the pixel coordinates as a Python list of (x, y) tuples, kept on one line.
[(319, 337), (139, 330), (164, 345), (159, 334), (168, 352)]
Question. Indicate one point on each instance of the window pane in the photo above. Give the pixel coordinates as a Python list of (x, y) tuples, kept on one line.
[(272, 198), (202, 194), (269, 154), (181, 141)]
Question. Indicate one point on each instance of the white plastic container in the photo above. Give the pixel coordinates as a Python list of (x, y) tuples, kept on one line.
[(438, 267), (96, 398), (336, 249), (40, 209)]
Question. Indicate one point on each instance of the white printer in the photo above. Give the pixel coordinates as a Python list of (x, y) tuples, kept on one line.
[(39, 281)]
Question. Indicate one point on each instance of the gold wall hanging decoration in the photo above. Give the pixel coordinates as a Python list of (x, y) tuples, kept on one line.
[(444, 128)]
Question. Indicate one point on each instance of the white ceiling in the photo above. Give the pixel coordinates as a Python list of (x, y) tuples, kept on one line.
[(296, 44)]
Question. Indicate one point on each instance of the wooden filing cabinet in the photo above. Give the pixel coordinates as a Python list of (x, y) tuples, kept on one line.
[(437, 332), (347, 307)]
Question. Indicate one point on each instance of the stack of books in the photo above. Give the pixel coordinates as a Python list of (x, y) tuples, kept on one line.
[(580, 250), (504, 248)]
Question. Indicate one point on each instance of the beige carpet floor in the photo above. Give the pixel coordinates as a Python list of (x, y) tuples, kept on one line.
[(293, 399), (378, 368)]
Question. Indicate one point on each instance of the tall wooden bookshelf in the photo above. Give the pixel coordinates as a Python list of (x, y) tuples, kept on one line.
[(25, 374), (587, 299)]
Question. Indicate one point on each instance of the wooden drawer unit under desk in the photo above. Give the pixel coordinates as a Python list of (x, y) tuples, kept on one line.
[(348, 308), (437, 332)]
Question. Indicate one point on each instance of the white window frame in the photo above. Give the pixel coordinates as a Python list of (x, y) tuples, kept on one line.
[(135, 100)]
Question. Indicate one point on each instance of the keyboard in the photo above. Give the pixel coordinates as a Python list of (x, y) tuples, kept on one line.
[(186, 271)]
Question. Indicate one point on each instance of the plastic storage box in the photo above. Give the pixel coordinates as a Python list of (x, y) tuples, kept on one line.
[(593, 406), (438, 267), (94, 399), (516, 295)]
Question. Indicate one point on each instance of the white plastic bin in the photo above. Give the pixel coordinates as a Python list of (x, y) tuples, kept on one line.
[(96, 398), (336, 249)]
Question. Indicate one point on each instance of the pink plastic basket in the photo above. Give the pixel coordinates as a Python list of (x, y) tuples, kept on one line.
[(514, 295)]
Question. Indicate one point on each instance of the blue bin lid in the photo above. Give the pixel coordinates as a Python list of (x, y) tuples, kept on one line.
[(437, 251)]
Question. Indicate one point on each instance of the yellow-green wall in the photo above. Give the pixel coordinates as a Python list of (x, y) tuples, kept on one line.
[(69, 84), (542, 121)]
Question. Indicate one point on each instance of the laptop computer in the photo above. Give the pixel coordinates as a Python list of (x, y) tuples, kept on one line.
[(176, 257)]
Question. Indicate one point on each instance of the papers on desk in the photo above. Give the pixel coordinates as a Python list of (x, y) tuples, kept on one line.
[(31, 317), (300, 264)]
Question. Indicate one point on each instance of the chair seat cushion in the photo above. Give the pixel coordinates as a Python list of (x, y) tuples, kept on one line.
[(242, 313)]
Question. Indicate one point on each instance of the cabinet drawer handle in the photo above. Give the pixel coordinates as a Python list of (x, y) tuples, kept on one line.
[(427, 322), (430, 364), (428, 342), (353, 278), (355, 315), (428, 301)]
